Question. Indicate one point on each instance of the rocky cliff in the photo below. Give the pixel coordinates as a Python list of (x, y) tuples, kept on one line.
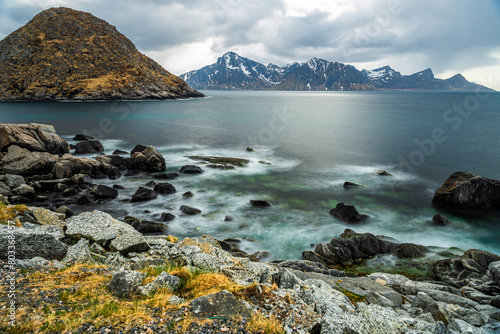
[(67, 54)]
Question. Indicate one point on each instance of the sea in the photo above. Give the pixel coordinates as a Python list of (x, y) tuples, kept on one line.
[(305, 146)]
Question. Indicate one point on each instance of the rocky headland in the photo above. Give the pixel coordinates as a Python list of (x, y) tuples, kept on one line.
[(90, 272), (65, 54)]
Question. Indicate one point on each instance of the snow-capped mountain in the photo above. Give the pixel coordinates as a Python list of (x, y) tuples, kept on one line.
[(232, 71)]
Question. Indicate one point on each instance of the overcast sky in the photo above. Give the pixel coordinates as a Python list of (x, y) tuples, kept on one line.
[(450, 36)]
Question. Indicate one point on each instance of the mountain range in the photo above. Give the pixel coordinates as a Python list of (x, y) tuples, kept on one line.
[(65, 54), (233, 72)]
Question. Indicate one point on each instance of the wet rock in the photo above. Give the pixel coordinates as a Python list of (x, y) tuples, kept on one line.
[(88, 146), (220, 166), (82, 136), (167, 216), (24, 191), (348, 185), (249, 149), (188, 194), (441, 220), (463, 190), (143, 194), (138, 148), (259, 203), (383, 173), (191, 169), (34, 137), (188, 210), (347, 213), (71, 192), (238, 162), (112, 160), (65, 211), (149, 159), (165, 176), (19, 200), (69, 165), (220, 304), (101, 191), (228, 219), (119, 152), (495, 302), (60, 187), (114, 173), (410, 251), (125, 283), (164, 188), (145, 226), (81, 179)]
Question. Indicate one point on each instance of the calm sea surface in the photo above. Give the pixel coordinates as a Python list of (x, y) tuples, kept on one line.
[(314, 141)]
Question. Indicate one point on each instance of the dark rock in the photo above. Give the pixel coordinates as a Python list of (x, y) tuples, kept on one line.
[(82, 136), (228, 219), (145, 226), (60, 187), (119, 152), (143, 194), (249, 149), (21, 161), (165, 176), (101, 191), (88, 146), (463, 190), (118, 187), (81, 179), (222, 160), (149, 160), (164, 188), (383, 173), (150, 184), (30, 244), (125, 283), (221, 304), (19, 200), (167, 216), (188, 210), (441, 220), (85, 199), (220, 166), (65, 210), (188, 194), (70, 192), (114, 174), (34, 137), (111, 160), (410, 251), (259, 203), (132, 173), (191, 169), (311, 266), (138, 148), (348, 185), (347, 213), (495, 301), (14, 181)]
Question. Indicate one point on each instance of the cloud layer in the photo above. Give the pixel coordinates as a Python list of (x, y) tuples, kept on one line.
[(448, 35)]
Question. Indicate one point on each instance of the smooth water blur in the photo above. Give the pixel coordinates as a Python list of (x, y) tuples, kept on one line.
[(314, 141)]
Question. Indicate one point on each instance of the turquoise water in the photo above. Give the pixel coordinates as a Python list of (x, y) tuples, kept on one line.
[(314, 141)]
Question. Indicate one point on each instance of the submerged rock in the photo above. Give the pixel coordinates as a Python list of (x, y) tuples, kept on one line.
[(347, 213), (191, 169), (143, 194), (348, 185), (464, 190), (238, 162), (188, 210), (259, 203), (88, 146), (101, 191), (441, 220)]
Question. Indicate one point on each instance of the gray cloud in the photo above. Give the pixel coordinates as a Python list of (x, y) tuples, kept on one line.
[(446, 34)]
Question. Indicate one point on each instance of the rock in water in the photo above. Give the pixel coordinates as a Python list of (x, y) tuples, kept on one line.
[(47, 59), (347, 213), (465, 190), (34, 137)]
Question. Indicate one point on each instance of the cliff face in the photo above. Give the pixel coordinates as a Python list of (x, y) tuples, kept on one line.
[(67, 54)]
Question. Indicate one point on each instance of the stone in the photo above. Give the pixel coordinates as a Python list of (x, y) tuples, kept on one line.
[(60, 187), (464, 190), (112, 160), (24, 190), (103, 229), (143, 194), (31, 243), (249, 149), (441, 220), (165, 176), (68, 165), (383, 173), (286, 279), (119, 152), (82, 136), (259, 203), (410, 251), (349, 185), (311, 266), (164, 280), (221, 304), (114, 173), (167, 216), (188, 210), (138, 148), (191, 169), (145, 226), (47, 217), (14, 181), (495, 302), (206, 262), (149, 160), (426, 303), (34, 137), (125, 283), (81, 179), (238, 162), (88, 146), (164, 188), (101, 191), (347, 214), (175, 300), (78, 253), (188, 194), (21, 161)]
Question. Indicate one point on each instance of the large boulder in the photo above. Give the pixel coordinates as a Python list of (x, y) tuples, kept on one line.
[(191, 169), (149, 160), (21, 161), (31, 243), (164, 280), (103, 229), (69, 165), (164, 188), (463, 190), (145, 226), (34, 137), (88, 146), (125, 283), (101, 191), (143, 194), (347, 213), (220, 304)]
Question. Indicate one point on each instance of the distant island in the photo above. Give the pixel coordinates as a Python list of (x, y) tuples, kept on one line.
[(233, 72), (64, 54)]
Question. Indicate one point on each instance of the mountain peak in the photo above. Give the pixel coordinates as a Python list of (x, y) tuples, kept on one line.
[(48, 59)]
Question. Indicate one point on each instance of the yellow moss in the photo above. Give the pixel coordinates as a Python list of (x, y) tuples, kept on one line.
[(262, 324), (171, 238), (208, 283), (11, 212)]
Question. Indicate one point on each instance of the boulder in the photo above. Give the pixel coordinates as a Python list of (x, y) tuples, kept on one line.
[(347, 214), (78, 253), (14, 181), (138, 148), (103, 229), (31, 243), (188, 210), (69, 165), (440, 219), (125, 283), (143, 194), (149, 160), (238, 162), (164, 188), (191, 169), (259, 203), (167, 216), (81, 179), (82, 136), (164, 280), (24, 190), (494, 272), (145, 226), (101, 191), (88, 146), (188, 194), (112, 160), (348, 185), (21, 161), (34, 137), (46, 217), (119, 152), (464, 190), (165, 176), (221, 304), (410, 251)]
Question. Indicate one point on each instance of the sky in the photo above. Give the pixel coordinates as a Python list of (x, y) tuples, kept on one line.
[(449, 36)]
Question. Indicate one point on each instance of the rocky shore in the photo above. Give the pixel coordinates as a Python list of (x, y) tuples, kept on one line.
[(88, 272)]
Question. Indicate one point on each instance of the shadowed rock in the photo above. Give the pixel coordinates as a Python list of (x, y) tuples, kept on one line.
[(347, 213)]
